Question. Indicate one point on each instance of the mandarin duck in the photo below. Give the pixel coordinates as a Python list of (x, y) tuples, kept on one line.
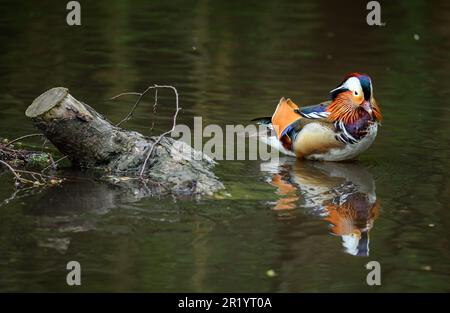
[(342, 194), (335, 130)]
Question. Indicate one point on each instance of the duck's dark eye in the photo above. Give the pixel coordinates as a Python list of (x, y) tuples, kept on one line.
[(356, 93)]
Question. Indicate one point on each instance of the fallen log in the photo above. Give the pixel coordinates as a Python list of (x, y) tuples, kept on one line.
[(90, 141)]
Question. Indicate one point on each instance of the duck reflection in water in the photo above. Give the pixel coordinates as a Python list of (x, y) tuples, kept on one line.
[(343, 194)]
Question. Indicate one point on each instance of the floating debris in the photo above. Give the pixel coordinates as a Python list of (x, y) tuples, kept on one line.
[(271, 273)]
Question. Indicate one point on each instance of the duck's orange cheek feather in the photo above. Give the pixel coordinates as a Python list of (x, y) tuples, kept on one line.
[(358, 99), (341, 224), (315, 138)]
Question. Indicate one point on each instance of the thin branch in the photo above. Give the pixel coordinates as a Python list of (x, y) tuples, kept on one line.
[(155, 104), (177, 109), (125, 94), (54, 163), (133, 108), (34, 174), (15, 173), (9, 167), (39, 179), (43, 145), (22, 137)]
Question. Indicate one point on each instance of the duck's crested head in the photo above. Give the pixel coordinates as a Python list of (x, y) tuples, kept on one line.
[(354, 93), (359, 84)]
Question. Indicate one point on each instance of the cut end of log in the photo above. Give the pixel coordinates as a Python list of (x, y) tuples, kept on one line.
[(46, 101)]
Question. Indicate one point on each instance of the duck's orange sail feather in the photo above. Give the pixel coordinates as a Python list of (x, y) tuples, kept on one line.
[(284, 116)]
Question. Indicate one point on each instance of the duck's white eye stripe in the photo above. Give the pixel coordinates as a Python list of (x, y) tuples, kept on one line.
[(353, 84)]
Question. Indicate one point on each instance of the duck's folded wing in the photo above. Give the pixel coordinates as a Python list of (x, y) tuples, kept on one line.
[(294, 128), (317, 111), (288, 120), (314, 113)]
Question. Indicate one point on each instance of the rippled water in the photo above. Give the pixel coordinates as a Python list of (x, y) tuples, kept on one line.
[(315, 225)]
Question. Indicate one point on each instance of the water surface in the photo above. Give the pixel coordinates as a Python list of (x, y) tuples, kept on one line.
[(314, 225)]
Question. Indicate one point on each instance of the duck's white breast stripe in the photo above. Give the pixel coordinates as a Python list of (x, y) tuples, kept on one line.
[(346, 133)]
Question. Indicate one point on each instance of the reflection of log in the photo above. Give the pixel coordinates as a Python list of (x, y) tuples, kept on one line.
[(90, 141)]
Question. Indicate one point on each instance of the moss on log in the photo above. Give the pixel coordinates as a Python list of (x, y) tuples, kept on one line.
[(90, 141), (20, 157)]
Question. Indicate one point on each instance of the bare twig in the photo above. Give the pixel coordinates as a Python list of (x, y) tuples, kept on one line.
[(155, 104), (22, 137), (125, 94), (177, 109), (38, 178), (23, 178), (54, 163), (9, 167), (43, 145), (16, 174), (133, 108), (35, 174)]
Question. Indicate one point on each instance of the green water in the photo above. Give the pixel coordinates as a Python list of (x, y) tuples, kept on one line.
[(231, 61)]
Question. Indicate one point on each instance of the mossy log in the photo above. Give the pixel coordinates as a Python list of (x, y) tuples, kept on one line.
[(90, 141)]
